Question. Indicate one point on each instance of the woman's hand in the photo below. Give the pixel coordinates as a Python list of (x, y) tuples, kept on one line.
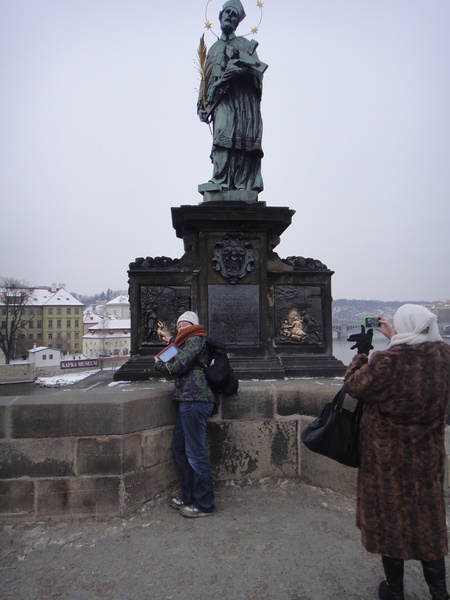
[(164, 335), (388, 329)]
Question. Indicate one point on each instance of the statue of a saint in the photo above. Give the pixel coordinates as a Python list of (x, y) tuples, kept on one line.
[(230, 98)]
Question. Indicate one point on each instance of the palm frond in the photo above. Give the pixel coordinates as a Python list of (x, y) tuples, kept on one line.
[(204, 69)]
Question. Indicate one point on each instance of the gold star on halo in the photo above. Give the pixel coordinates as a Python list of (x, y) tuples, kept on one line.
[(208, 25), (254, 30), (259, 4)]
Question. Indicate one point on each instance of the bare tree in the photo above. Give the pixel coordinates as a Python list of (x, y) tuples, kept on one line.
[(14, 299)]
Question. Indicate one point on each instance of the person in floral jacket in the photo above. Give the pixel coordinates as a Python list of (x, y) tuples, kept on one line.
[(196, 402)]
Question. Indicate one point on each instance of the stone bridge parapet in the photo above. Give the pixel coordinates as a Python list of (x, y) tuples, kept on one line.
[(107, 451)]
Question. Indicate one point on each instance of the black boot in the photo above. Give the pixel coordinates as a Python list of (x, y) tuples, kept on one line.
[(434, 572), (392, 588)]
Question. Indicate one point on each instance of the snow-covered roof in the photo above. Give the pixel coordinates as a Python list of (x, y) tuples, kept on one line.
[(112, 324), (91, 318), (43, 296), (98, 335), (122, 299), (41, 349)]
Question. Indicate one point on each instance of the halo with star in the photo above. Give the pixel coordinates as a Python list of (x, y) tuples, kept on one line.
[(253, 31)]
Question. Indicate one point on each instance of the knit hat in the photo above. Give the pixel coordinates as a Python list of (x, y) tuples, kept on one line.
[(190, 317)]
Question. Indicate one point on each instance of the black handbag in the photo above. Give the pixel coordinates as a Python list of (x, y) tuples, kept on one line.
[(336, 432)]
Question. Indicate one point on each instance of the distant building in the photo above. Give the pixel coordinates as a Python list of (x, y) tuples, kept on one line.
[(442, 311), (62, 319), (53, 318), (119, 306), (109, 337), (90, 319), (44, 357)]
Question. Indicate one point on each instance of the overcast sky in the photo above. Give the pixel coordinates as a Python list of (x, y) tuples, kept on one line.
[(100, 137)]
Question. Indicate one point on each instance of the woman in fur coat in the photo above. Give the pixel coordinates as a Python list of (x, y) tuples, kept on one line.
[(400, 496)]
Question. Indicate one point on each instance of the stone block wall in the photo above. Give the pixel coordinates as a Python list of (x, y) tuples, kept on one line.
[(18, 372), (107, 451), (84, 454)]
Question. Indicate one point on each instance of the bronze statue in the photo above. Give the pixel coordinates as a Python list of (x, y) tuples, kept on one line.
[(230, 98)]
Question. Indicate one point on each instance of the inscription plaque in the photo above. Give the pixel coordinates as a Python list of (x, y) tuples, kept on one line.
[(233, 313)]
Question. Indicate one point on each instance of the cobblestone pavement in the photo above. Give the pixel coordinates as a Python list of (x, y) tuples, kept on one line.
[(269, 540)]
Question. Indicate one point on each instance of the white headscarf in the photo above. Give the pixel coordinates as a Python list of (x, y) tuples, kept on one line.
[(414, 324)]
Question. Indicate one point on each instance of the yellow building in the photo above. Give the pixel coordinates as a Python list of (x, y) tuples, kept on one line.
[(62, 319), (53, 318)]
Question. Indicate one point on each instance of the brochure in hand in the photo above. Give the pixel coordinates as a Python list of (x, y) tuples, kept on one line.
[(168, 353)]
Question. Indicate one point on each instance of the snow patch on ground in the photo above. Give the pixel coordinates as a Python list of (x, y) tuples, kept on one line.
[(63, 380)]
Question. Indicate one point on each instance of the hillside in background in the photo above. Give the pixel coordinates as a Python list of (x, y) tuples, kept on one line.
[(353, 311)]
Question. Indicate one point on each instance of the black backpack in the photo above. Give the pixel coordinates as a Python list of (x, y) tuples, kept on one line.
[(218, 372)]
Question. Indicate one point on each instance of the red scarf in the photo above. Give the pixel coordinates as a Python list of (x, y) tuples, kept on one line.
[(188, 332)]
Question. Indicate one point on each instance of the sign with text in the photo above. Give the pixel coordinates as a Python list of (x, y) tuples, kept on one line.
[(80, 364)]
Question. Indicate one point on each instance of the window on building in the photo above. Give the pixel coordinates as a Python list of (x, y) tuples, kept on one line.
[(50, 323), (58, 310), (39, 310), (30, 336), (44, 357), (77, 311), (3, 311), (58, 324), (50, 336), (58, 335), (39, 336), (68, 310), (50, 310), (3, 324), (31, 325), (77, 335), (30, 312), (50, 357), (69, 335), (68, 325), (77, 323), (39, 324)]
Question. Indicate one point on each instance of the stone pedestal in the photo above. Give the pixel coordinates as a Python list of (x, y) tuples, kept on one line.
[(273, 314)]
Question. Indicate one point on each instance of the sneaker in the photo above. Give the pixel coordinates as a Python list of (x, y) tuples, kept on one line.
[(191, 511), (176, 503)]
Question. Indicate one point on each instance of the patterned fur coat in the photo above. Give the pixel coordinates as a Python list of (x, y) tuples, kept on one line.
[(400, 498)]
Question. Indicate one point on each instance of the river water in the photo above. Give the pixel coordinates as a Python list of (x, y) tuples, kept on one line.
[(341, 348)]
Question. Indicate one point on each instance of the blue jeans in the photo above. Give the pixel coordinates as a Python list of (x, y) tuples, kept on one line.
[(189, 448)]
